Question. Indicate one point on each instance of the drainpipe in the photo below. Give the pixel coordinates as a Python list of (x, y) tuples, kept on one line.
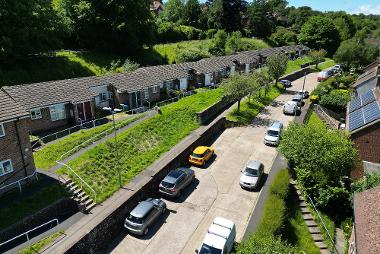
[(19, 145)]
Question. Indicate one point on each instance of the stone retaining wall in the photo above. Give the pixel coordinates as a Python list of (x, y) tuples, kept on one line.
[(209, 114), (97, 238), (296, 74)]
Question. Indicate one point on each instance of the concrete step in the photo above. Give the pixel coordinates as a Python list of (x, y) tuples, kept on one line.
[(87, 202), (68, 181), (77, 192), (307, 216), (90, 207), (73, 188), (299, 192), (325, 251), (81, 199), (300, 198), (314, 230), (311, 223), (317, 237), (302, 204), (321, 245), (70, 184), (305, 210)]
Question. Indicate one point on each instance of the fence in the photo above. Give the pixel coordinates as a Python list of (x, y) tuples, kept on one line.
[(18, 183), (26, 233), (174, 99)]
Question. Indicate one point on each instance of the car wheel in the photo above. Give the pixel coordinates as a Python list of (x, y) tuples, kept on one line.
[(146, 231)]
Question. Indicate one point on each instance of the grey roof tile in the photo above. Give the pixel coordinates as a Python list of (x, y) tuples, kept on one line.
[(9, 108)]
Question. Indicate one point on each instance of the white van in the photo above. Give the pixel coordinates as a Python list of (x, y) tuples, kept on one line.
[(220, 237)]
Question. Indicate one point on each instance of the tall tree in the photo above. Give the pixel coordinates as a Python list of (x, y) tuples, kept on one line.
[(116, 26), (354, 53), (298, 16), (233, 42), (277, 64), (317, 56), (192, 12), (344, 23), (28, 27), (236, 87), (226, 14), (219, 43), (174, 11), (259, 22), (319, 32)]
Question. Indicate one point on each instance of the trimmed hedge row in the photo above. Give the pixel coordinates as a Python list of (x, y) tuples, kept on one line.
[(272, 222)]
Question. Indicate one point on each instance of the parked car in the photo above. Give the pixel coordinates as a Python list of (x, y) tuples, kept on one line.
[(144, 215), (299, 99), (291, 107), (220, 237), (176, 181), (323, 75), (273, 134), (304, 94), (201, 155), (337, 68), (286, 83), (251, 175)]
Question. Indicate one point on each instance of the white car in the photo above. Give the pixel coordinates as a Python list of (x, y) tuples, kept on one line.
[(220, 237), (251, 175), (273, 134), (291, 107)]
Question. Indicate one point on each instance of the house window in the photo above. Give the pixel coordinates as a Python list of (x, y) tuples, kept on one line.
[(191, 76), (110, 95), (57, 112), (5, 167), (103, 97), (146, 93), (35, 114), (156, 89), (169, 84), (2, 131)]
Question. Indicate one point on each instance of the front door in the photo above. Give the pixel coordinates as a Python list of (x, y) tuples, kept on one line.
[(247, 68), (232, 70), (87, 110), (183, 84), (207, 79), (136, 99), (80, 110)]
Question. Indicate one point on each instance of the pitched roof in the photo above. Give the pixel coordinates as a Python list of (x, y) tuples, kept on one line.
[(367, 221), (10, 109), (368, 75)]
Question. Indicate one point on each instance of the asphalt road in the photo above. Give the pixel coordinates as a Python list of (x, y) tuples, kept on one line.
[(216, 192)]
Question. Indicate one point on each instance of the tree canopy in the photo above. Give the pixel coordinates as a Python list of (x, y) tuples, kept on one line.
[(277, 66), (353, 52)]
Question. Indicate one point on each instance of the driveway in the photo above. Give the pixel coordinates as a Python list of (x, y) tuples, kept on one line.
[(216, 191)]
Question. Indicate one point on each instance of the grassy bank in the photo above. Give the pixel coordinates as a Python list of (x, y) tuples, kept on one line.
[(314, 120), (142, 144), (15, 206), (41, 244), (296, 64), (47, 156)]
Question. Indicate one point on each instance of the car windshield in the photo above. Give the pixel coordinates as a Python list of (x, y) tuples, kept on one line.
[(167, 185), (272, 133), (250, 172), (196, 155), (209, 250), (135, 219)]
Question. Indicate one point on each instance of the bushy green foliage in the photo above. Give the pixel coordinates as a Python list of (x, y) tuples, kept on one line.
[(325, 154), (142, 144), (258, 244), (130, 65), (280, 184), (369, 181), (335, 200), (233, 42), (283, 37), (345, 81), (189, 32), (41, 244), (319, 32), (277, 65), (324, 87), (190, 55), (218, 45), (336, 100), (317, 56)]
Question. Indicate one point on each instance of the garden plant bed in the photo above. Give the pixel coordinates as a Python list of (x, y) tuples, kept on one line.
[(41, 244), (142, 144)]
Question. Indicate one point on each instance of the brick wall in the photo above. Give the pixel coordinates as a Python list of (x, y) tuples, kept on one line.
[(367, 142), (10, 149), (45, 123)]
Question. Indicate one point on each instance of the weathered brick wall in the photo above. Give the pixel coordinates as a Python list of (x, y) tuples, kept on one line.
[(105, 231), (45, 123), (10, 149), (367, 141)]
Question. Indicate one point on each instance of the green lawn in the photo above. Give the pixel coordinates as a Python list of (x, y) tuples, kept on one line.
[(296, 231), (15, 207), (250, 108), (41, 244), (327, 64), (296, 64), (142, 144), (47, 156), (313, 119)]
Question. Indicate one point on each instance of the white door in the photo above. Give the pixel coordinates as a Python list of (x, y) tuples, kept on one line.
[(183, 84), (207, 79), (232, 70), (247, 68)]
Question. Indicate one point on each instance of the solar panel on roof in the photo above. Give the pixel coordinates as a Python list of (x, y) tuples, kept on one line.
[(356, 119), (368, 97), (355, 103), (371, 112)]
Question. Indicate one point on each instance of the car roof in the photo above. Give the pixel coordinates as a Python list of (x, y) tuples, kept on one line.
[(297, 96), (142, 208), (173, 176), (201, 149), (291, 103), (253, 164), (214, 241)]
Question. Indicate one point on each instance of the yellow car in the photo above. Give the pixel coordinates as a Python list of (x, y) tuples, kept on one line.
[(201, 155)]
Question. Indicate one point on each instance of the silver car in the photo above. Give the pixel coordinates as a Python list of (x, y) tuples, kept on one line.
[(144, 215), (286, 83), (251, 175), (291, 107), (273, 134), (176, 181)]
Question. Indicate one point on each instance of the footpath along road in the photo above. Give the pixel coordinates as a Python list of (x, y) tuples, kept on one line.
[(216, 192)]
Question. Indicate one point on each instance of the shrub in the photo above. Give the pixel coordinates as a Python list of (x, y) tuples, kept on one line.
[(263, 245), (283, 37), (367, 182), (334, 201), (336, 100), (274, 215), (190, 55), (189, 32), (324, 87), (314, 98), (210, 33), (169, 32), (280, 184), (345, 80)]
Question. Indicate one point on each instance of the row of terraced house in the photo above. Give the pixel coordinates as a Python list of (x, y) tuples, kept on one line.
[(39, 107)]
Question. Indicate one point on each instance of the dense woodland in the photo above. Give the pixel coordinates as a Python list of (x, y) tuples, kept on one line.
[(127, 28)]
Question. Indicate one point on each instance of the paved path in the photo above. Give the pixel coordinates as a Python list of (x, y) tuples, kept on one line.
[(147, 115), (216, 191)]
